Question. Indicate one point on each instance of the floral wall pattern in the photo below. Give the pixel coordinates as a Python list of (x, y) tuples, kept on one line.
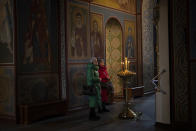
[(114, 52)]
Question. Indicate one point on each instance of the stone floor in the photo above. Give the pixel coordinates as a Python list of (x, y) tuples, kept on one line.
[(109, 121)]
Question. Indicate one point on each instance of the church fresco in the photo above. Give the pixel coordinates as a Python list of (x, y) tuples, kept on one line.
[(78, 40), (7, 91), (97, 35), (130, 39), (77, 78), (38, 88), (122, 5), (38, 39), (6, 32)]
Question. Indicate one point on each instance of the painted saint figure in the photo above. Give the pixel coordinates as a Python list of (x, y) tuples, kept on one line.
[(130, 53), (79, 38), (97, 41), (6, 29), (37, 46)]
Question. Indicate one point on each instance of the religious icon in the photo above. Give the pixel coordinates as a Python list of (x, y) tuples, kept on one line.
[(130, 39), (96, 35), (79, 47), (37, 48), (130, 44), (79, 40)]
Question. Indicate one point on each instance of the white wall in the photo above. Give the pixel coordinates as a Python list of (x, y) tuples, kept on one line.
[(163, 101)]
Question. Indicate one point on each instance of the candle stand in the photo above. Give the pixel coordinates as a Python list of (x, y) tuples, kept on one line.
[(127, 113)]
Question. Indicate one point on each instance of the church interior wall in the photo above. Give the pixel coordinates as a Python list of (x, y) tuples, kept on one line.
[(78, 65)]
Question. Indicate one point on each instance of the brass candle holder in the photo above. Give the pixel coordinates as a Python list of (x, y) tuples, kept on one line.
[(127, 113)]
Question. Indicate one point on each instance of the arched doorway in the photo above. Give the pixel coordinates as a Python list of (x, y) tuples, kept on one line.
[(114, 37)]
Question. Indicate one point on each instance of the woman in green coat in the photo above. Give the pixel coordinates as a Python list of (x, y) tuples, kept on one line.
[(93, 81)]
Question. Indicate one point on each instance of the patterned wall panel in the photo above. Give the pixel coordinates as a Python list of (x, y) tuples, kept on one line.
[(114, 52), (7, 91), (180, 61), (37, 89), (148, 49), (77, 78)]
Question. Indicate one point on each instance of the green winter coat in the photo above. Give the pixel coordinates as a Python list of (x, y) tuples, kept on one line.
[(94, 81)]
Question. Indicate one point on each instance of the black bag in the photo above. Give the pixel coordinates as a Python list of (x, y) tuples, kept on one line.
[(107, 85), (89, 90)]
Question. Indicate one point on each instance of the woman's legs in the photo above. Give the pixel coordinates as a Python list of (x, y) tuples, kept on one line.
[(92, 105), (110, 90), (104, 99)]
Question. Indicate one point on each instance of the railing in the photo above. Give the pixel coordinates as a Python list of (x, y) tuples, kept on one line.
[(155, 82)]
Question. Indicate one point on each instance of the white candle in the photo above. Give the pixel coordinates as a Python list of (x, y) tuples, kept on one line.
[(126, 63)]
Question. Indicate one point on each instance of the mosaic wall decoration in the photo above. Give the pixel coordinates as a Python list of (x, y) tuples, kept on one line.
[(7, 91), (114, 52), (130, 39), (37, 35), (147, 44), (97, 35), (63, 48), (77, 78), (78, 35), (38, 89), (6, 32), (123, 5)]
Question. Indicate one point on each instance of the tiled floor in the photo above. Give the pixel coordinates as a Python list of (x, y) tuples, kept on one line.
[(108, 122)]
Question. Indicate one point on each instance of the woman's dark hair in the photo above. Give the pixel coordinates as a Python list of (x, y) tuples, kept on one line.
[(99, 60)]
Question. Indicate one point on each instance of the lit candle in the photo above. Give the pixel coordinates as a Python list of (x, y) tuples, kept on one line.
[(126, 63), (121, 65)]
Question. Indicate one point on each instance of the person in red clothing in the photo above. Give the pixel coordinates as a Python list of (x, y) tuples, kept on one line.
[(106, 84)]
